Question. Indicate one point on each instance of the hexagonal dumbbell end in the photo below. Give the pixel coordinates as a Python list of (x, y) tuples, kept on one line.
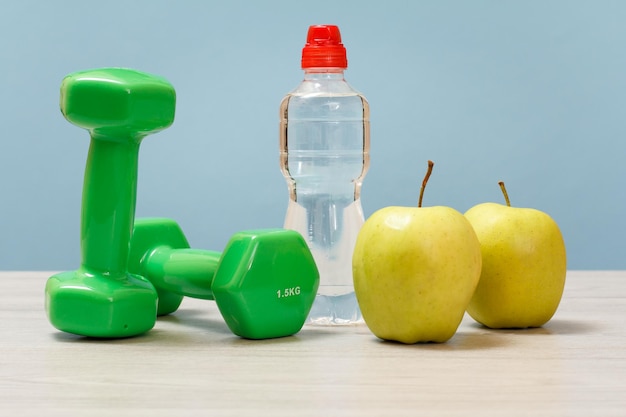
[(266, 283), (118, 103)]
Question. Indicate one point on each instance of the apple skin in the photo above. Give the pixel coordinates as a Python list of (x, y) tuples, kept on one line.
[(524, 266), (415, 270)]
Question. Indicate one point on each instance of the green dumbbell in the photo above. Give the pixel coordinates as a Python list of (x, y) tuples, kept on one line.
[(119, 107), (264, 283)]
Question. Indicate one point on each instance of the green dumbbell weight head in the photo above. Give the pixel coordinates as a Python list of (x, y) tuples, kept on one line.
[(264, 282), (118, 107)]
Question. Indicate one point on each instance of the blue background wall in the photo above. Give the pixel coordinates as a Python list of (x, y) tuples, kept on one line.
[(533, 93)]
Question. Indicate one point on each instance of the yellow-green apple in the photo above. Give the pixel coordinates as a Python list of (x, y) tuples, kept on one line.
[(524, 265), (415, 270)]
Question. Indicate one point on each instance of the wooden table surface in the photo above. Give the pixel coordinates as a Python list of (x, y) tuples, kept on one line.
[(191, 365)]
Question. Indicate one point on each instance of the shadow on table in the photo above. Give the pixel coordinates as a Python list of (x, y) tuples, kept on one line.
[(461, 341), (553, 327), (196, 327), (478, 336), (191, 327), (171, 329), (196, 319)]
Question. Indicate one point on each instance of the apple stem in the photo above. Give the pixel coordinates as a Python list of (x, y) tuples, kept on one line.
[(424, 181), (506, 195)]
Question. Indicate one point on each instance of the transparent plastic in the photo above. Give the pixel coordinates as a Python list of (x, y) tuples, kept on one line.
[(324, 155)]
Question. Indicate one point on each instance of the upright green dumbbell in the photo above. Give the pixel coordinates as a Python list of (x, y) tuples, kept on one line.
[(118, 107), (264, 283)]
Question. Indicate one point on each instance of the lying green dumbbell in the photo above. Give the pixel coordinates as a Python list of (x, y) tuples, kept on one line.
[(118, 107), (264, 283)]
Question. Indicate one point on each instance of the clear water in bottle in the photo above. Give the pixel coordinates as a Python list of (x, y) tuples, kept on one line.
[(324, 154)]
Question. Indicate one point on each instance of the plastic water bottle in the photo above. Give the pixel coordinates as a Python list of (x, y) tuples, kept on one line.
[(324, 155)]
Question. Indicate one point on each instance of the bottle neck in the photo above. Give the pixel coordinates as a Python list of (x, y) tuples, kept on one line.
[(323, 73)]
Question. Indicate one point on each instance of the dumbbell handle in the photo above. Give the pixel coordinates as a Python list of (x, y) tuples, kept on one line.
[(109, 198), (187, 272)]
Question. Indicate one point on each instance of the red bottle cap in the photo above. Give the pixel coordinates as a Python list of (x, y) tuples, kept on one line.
[(323, 48)]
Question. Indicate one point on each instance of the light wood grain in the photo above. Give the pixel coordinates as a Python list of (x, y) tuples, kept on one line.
[(191, 365)]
